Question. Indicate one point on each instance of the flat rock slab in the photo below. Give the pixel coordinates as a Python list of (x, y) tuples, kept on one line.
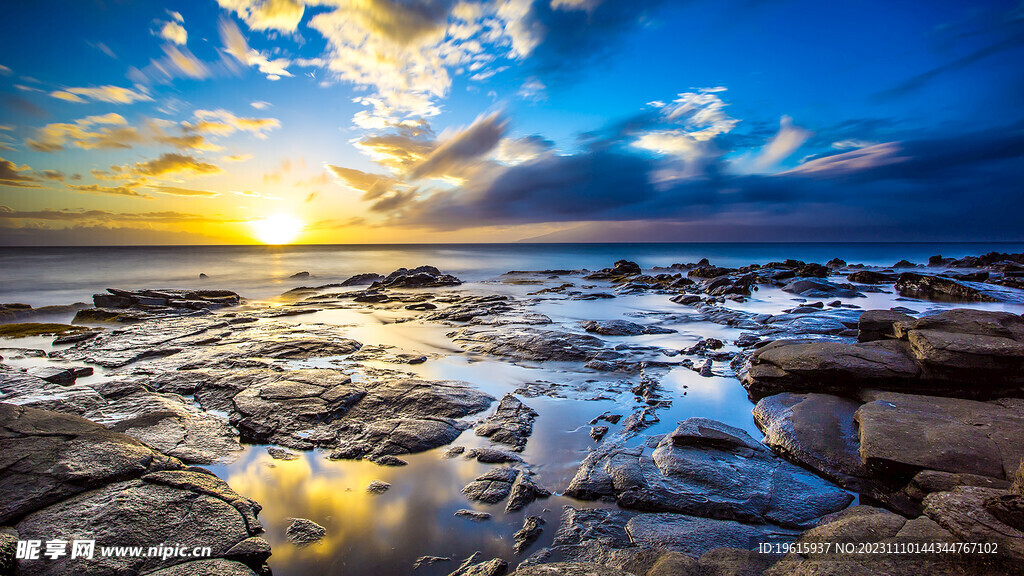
[(873, 526), (530, 344), (966, 513), (708, 469), (816, 431), (491, 487), (596, 534), (902, 433)]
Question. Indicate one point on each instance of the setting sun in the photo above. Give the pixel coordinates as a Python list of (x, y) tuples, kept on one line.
[(277, 229)]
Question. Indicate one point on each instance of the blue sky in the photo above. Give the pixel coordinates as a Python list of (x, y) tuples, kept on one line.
[(502, 120)]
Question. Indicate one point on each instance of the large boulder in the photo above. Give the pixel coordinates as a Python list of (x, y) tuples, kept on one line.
[(708, 469), (901, 434), (967, 513), (960, 353), (938, 288), (816, 431)]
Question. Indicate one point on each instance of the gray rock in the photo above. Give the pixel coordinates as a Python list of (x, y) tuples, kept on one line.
[(8, 549), (302, 532), (622, 328), (941, 289), (524, 491), (530, 344), (511, 423), (705, 468), (901, 434), (491, 487), (472, 515), (378, 487), (362, 279), (879, 324), (429, 561), (302, 349), (472, 566), (819, 288), (816, 431), (568, 569), (215, 567), (281, 454), (528, 534)]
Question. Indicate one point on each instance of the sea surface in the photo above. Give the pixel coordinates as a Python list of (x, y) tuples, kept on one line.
[(385, 534), (63, 275)]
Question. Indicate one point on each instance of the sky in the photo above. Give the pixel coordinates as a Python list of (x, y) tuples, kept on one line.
[(394, 121)]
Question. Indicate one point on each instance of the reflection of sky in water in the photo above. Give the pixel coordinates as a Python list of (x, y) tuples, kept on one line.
[(384, 534)]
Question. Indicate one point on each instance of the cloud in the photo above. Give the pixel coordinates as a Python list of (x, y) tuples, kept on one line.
[(182, 62), (852, 162), (236, 45), (372, 186), (13, 175), (236, 157), (175, 191), (283, 15), (782, 145), (173, 164), (112, 94), (110, 190), (53, 175), (107, 131), (260, 105), (173, 31), (221, 122), (453, 155), (5, 71)]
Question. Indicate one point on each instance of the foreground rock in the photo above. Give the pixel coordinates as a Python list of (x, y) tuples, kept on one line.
[(64, 477), (868, 530), (303, 532), (511, 423), (708, 469), (658, 544), (931, 355), (136, 305)]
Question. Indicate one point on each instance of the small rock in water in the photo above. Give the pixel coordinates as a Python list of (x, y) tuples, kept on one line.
[(528, 534), (705, 370), (598, 432), (301, 531), (203, 276), (493, 456), (299, 275), (472, 566), (281, 454), (453, 452), (429, 561), (388, 460), (472, 515), (378, 487)]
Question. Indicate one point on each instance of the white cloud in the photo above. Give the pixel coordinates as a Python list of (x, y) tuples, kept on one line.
[(113, 94), (782, 145), (236, 45), (852, 162), (283, 15), (174, 32), (260, 105)]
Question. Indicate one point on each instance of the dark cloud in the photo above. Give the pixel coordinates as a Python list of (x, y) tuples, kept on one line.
[(898, 189), (452, 155), (12, 175), (173, 163)]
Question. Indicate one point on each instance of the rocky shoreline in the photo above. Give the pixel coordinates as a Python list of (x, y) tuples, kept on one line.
[(920, 415)]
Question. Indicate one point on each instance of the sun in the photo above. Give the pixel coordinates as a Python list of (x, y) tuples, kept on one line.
[(277, 229)]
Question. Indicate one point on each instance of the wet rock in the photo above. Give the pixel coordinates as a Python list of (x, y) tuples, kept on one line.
[(816, 431), (865, 525), (964, 513), (302, 349), (421, 277), (941, 289), (871, 277), (299, 276), (879, 324), (362, 280), (472, 566), (816, 366), (598, 432), (281, 454), (493, 456), (568, 569), (530, 344), (511, 423), (819, 288), (282, 409), (528, 534), (65, 476), (166, 299), (378, 487), (622, 328), (421, 306), (388, 460), (491, 487), (686, 299), (302, 532), (215, 567), (619, 272), (472, 515), (145, 340), (636, 541), (708, 469), (524, 491), (901, 434)]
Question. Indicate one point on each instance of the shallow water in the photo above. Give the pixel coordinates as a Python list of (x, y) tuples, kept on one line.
[(384, 534)]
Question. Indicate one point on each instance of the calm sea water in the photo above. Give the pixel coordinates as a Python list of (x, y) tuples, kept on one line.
[(62, 275)]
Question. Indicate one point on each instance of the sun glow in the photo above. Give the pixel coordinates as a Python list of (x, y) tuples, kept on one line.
[(277, 229)]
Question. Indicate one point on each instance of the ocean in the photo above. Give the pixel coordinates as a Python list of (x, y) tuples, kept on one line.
[(42, 276)]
